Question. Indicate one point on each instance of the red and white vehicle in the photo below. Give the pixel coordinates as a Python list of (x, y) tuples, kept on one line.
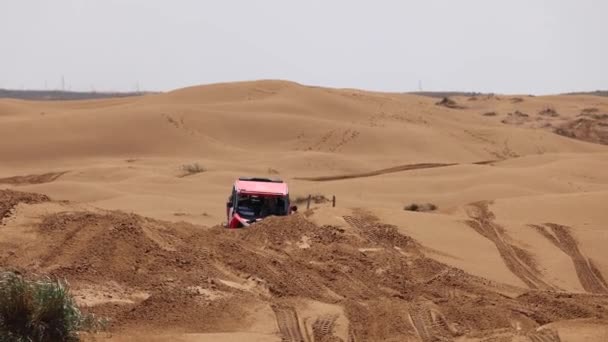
[(253, 199)]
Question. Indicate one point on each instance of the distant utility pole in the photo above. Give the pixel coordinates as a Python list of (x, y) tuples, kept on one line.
[(419, 85), (62, 83)]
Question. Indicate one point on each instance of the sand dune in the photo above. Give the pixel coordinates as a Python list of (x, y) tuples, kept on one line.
[(515, 250)]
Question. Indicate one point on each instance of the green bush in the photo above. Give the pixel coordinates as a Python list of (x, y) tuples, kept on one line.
[(40, 310)]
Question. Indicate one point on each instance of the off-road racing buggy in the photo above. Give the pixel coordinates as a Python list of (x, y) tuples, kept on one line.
[(253, 199)]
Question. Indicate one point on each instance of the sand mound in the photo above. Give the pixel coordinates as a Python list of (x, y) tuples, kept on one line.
[(198, 279), (592, 128), (119, 246), (9, 199), (185, 309)]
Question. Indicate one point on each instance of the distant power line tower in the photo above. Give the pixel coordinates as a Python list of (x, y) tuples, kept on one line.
[(419, 85), (62, 83)]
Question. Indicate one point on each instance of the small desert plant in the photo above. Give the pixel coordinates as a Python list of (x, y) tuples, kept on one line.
[(517, 114), (520, 114), (490, 114), (420, 207), (300, 199), (548, 111), (593, 113), (565, 132), (589, 110), (449, 103), (40, 310), (191, 169)]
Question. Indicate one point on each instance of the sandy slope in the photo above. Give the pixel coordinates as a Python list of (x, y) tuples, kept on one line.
[(520, 207)]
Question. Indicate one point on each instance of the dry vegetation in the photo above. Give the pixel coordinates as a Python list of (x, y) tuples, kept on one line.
[(589, 110), (192, 169), (316, 198), (420, 207), (449, 103), (549, 111), (516, 118), (40, 310)]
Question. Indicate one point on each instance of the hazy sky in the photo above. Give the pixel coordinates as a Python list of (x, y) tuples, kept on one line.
[(517, 46)]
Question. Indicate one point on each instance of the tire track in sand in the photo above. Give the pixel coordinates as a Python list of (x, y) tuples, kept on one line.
[(288, 323), (588, 274), (323, 328), (394, 169), (352, 337), (545, 335), (517, 260), (429, 326), (399, 168)]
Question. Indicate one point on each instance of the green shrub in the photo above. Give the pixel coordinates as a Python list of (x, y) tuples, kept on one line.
[(39, 311)]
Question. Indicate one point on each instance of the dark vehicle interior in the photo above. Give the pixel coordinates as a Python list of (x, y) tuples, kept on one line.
[(257, 206)]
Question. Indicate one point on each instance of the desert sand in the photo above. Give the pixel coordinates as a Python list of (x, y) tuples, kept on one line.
[(94, 191)]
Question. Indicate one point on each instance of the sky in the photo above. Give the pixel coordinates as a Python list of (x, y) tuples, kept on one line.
[(517, 46)]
